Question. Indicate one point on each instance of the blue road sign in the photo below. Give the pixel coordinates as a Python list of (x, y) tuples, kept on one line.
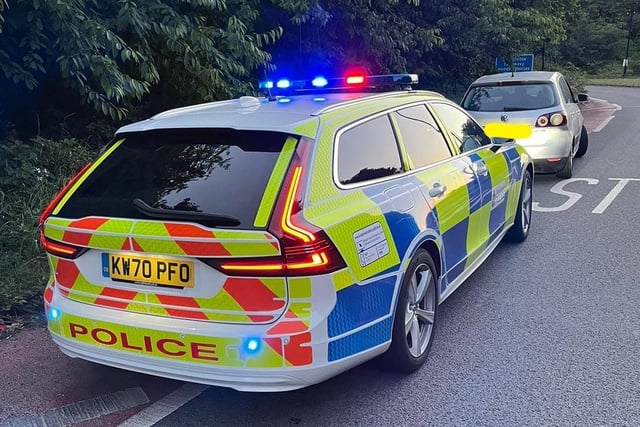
[(520, 63)]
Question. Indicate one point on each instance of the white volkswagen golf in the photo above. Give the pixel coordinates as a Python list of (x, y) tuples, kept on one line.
[(542, 99)]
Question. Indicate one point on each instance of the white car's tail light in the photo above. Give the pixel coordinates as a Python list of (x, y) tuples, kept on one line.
[(551, 119)]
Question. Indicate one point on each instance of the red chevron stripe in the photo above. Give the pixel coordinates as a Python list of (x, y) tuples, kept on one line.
[(182, 302), (294, 327), (48, 294), (136, 245), (296, 352), (125, 296), (252, 294), (88, 223), (67, 273), (203, 248), (187, 230)]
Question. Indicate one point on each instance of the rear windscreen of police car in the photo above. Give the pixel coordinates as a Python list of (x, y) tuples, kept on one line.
[(215, 177)]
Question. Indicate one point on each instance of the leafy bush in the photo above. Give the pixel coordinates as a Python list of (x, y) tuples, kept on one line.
[(31, 173)]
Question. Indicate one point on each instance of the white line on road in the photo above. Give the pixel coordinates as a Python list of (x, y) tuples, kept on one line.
[(165, 406), (604, 204), (617, 107), (83, 411), (603, 124)]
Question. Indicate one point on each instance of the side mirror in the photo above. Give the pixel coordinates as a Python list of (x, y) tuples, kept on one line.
[(583, 97)]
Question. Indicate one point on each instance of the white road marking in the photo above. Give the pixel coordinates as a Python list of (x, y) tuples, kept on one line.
[(165, 406), (603, 124), (609, 198), (559, 189), (617, 107), (83, 411)]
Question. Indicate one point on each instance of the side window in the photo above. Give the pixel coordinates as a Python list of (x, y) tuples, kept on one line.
[(567, 95), (368, 151), (421, 137), (468, 134)]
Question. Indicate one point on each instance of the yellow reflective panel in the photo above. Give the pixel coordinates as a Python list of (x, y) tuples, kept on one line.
[(508, 130)]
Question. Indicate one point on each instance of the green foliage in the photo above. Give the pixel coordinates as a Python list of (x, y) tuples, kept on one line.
[(112, 54), (599, 32), (31, 173)]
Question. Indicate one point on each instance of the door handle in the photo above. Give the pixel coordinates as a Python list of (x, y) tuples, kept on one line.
[(437, 190), (481, 169)]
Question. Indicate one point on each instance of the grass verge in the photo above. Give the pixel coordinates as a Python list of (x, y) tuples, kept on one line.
[(31, 173), (614, 81)]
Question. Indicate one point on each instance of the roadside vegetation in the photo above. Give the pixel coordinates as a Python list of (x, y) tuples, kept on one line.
[(73, 71)]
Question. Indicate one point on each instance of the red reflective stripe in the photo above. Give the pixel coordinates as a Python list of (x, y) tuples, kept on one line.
[(275, 344), (80, 238), (125, 297), (75, 238), (285, 327), (67, 273), (136, 245), (88, 223), (296, 353), (187, 230), (252, 294), (126, 246), (48, 294), (203, 248), (182, 302)]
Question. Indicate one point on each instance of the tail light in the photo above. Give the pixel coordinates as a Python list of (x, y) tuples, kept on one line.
[(58, 248), (551, 119), (306, 249)]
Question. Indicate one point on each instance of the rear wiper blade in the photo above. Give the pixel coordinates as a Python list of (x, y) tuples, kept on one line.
[(216, 219), (516, 108)]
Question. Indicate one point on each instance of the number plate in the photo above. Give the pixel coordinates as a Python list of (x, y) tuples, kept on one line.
[(148, 270)]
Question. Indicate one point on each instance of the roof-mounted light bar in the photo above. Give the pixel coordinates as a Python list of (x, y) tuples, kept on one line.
[(285, 86)]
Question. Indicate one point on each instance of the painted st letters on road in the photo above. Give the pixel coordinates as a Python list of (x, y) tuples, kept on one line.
[(559, 189)]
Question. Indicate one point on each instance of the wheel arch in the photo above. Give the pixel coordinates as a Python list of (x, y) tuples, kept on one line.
[(431, 242)]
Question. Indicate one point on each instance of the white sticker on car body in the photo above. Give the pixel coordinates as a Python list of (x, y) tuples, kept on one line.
[(371, 244)]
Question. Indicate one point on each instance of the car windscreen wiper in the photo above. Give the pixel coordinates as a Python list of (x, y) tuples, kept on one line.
[(208, 218)]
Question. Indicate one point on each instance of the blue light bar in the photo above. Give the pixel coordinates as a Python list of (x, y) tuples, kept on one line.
[(319, 82), (283, 84)]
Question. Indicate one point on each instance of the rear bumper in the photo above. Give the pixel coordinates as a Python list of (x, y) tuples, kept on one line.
[(543, 166), (549, 148), (196, 351)]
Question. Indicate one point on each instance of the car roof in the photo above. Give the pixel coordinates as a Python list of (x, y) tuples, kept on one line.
[(519, 76), (283, 114)]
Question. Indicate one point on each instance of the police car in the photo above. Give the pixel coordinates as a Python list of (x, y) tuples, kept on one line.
[(270, 243)]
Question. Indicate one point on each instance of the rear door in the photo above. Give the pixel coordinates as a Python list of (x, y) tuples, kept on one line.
[(161, 209), (490, 167), (448, 184), (574, 115)]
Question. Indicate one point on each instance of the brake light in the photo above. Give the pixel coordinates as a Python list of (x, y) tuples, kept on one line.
[(58, 248), (307, 250), (551, 119)]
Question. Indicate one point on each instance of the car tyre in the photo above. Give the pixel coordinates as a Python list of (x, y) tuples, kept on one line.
[(415, 316), (584, 142), (519, 231), (567, 169)]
